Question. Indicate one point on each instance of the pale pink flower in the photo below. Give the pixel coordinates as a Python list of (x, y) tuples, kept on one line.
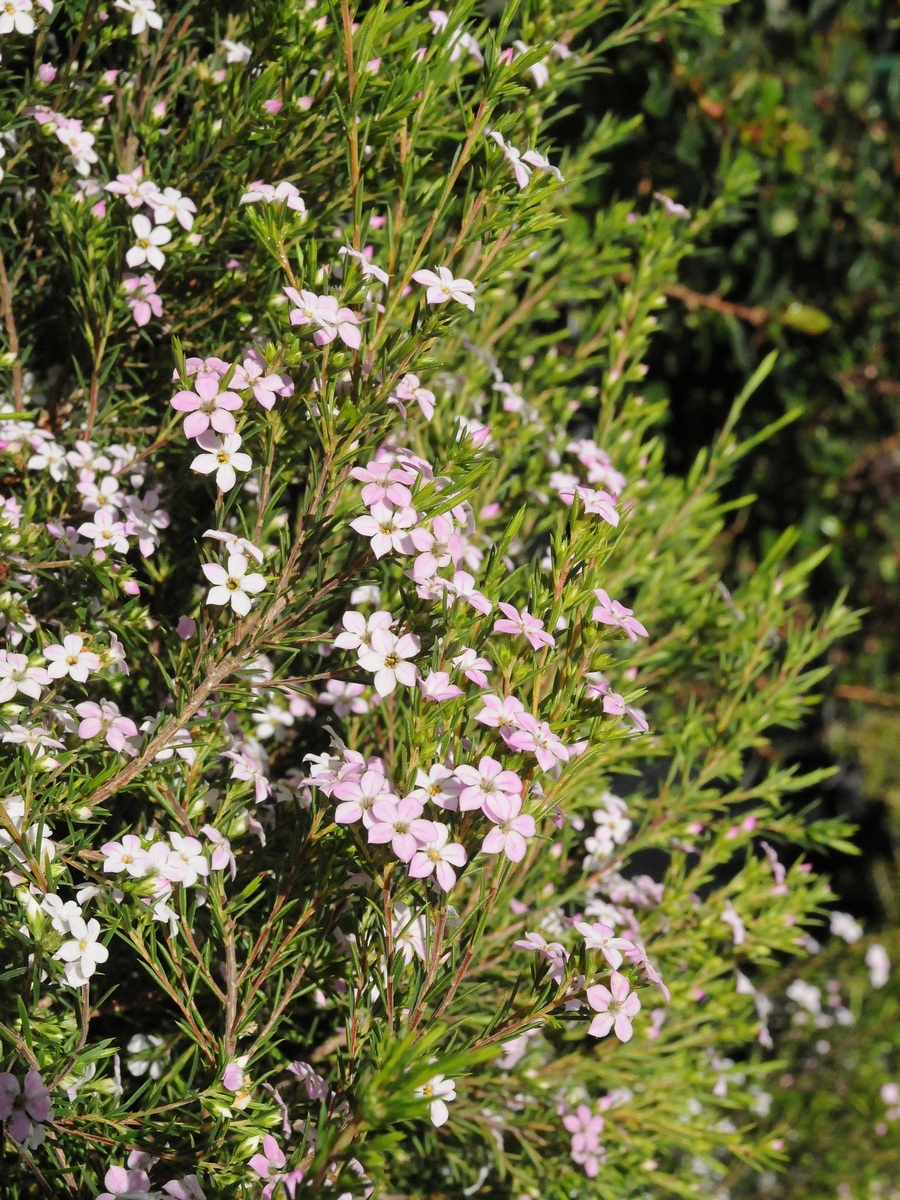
[(248, 770), (511, 827), (399, 822), (143, 14), (104, 718), (223, 456), (439, 785), (347, 699), (283, 192), (552, 952), (611, 612), (207, 406), (265, 388), (443, 287), (462, 585), (128, 855), (386, 658), (186, 862), (600, 504), (437, 547), (133, 187), (515, 623), (149, 238), (598, 936), (359, 796), (83, 952), (234, 585), (501, 712), (538, 738), (615, 1007), (336, 322), (232, 543), (409, 389), (585, 1127), (268, 1166), (358, 629), (387, 528), (384, 483), (472, 666), (368, 268), (438, 856), (142, 298), (71, 659), (437, 686), (484, 782)]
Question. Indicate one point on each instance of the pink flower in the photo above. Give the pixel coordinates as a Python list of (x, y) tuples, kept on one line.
[(207, 406), (473, 667), (266, 388), (539, 738), (124, 1183), (387, 528), (443, 287), (615, 1006), (437, 686), (18, 675), (553, 952), (142, 298), (369, 269), (409, 389), (585, 1127), (384, 484), (524, 623), (134, 188), (386, 659), (170, 204), (463, 585), (501, 712), (359, 796), (437, 547), (398, 822), (601, 937), (439, 785), (358, 630), (611, 612), (438, 856), (601, 504), (128, 855), (336, 322), (484, 782), (268, 1166), (105, 533), (511, 827), (105, 718), (23, 1107)]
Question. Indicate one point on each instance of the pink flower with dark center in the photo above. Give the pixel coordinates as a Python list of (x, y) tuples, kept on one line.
[(611, 612), (615, 1007), (515, 623), (511, 827), (142, 298), (438, 856), (207, 406), (485, 782), (399, 822)]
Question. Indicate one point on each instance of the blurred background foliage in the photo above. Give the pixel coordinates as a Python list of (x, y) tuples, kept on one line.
[(803, 99)]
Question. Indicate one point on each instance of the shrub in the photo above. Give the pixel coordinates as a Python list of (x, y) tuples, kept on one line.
[(390, 796)]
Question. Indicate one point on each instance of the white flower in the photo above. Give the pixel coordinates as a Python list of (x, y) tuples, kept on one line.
[(169, 204), (72, 659), (233, 586), (50, 457), (17, 674), (236, 52), (84, 952), (443, 287), (222, 456), (385, 658), (16, 14), (438, 1090), (143, 14), (844, 926), (235, 544), (149, 239)]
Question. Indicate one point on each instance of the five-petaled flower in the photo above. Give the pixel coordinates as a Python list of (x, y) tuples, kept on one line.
[(437, 1091), (443, 287), (438, 856), (224, 456), (615, 1006), (234, 585), (149, 238)]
